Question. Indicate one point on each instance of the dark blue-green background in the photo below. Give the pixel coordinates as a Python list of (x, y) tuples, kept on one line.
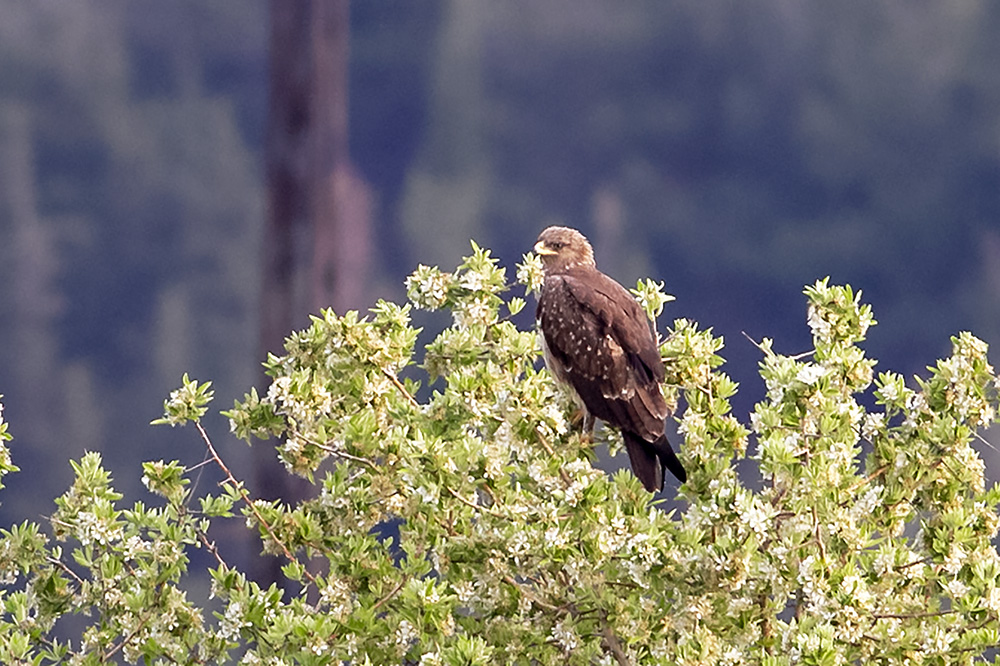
[(736, 151)]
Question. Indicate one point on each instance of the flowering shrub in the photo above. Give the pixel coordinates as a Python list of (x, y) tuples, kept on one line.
[(869, 541)]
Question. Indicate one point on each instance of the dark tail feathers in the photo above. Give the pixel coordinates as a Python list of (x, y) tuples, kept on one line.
[(649, 458)]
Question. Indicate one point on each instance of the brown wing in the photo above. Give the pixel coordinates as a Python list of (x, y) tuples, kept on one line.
[(602, 344)]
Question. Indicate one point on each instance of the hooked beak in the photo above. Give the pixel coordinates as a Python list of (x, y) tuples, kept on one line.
[(542, 248)]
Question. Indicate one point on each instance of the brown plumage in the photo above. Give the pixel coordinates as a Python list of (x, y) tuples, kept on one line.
[(599, 341)]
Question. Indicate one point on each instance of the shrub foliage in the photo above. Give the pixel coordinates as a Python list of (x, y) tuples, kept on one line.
[(865, 536)]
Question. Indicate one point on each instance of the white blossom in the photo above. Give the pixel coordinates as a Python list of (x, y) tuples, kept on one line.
[(406, 634), (565, 636), (810, 373), (820, 327), (956, 588)]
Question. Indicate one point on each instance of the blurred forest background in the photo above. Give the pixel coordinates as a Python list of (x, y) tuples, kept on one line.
[(736, 151)]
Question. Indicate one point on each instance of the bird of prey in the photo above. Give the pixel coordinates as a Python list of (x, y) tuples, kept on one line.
[(598, 340)]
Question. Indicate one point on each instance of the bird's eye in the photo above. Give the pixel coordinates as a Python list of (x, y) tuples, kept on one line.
[(557, 245)]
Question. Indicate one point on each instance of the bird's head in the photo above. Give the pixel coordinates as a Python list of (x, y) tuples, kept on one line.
[(563, 248)]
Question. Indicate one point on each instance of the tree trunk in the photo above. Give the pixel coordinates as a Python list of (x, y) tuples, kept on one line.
[(318, 210)]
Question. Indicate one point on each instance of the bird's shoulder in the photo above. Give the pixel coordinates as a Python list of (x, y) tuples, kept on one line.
[(592, 298), (591, 318), (592, 290)]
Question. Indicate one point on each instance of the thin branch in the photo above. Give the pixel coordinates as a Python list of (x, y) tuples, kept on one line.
[(548, 450), (770, 352), (534, 598), (611, 641), (62, 565), (245, 496), (477, 507), (107, 655), (391, 594), (210, 547), (343, 454), (206, 461), (756, 344), (912, 616), (493, 497), (985, 441), (868, 479), (399, 385)]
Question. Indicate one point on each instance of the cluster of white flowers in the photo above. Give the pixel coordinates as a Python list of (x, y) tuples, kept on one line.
[(428, 494), (565, 635), (992, 599), (810, 373), (612, 535), (465, 590), (753, 513), (955, 559), (430, 659), (855, 588), (376, 386), (427, 287), (548, 482), (280, 395), (968, 356), (337, 595), (518, 545), (473, 281), (529, 272), (553, 413), (938, 641), (969, 461), (821, 328), (555, 537), (233, 621), (916, 405), (135, 545), (496, 453), (956, 588), (872, 425), (582, 474), (90, 529), (406, 634), (815, 588), (694, 427), (478, 310)]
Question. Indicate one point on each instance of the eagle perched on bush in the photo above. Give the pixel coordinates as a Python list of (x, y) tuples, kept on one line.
[(598, 340)]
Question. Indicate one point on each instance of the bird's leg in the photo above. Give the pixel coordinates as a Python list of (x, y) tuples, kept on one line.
[(587, 429), (585, 420)]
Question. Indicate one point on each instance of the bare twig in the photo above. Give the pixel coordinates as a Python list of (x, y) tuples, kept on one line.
[(759, 346), (391, 594), (912, 616), (62, 565), (210, 547), (245, 496), (115, 649), (985, 441), (206, 461), (548, 450), (399, 385), (755, 343), (477, 507), (343, 454), (868, 479)]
